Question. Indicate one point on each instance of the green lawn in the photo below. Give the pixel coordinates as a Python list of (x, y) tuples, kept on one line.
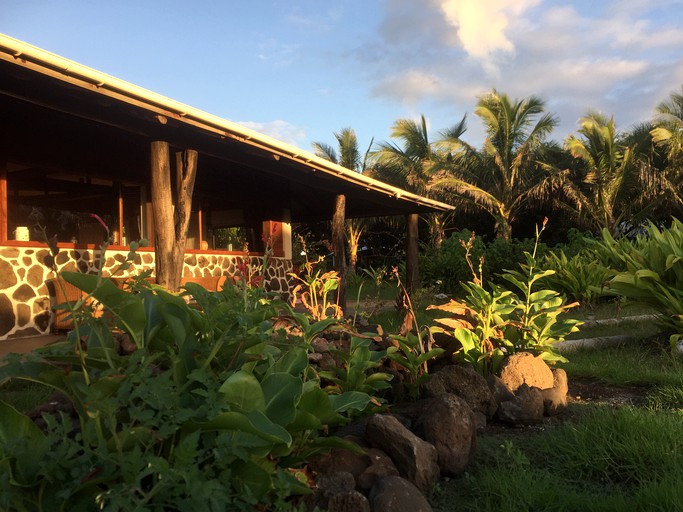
[(597, 457)]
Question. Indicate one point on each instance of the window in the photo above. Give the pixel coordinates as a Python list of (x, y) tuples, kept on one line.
[(62, 204)]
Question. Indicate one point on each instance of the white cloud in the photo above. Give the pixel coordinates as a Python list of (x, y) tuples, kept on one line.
[(438, 56), (482, 25), (280, 130), (410, 86)]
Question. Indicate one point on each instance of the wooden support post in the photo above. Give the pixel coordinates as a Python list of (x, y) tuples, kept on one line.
[(171, 224), (200, 221), (119, 187), (162, 205), (412, 255), (339, 247), (4, 207)]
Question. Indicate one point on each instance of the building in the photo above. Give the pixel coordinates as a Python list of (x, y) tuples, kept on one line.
[(76, 142)]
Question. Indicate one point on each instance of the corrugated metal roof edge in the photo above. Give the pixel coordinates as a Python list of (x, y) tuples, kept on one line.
[(18, 50)]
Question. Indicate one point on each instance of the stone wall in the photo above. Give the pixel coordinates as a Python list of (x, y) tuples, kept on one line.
[(25, 303)]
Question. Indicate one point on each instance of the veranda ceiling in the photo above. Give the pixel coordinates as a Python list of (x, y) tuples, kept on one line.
[(57, 114)]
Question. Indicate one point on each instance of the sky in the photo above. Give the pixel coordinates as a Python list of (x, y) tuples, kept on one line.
[(301, 70)]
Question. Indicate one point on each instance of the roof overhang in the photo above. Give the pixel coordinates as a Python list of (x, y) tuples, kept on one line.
[(50, 83)]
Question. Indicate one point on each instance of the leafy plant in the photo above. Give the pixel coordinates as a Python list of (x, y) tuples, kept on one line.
[(376, 275), (491, 325), (479, 322), (408, 354), (411, 350), (214, 409), (654, 272), (357, 371), (540, 322), (313, 291), (581, 278)]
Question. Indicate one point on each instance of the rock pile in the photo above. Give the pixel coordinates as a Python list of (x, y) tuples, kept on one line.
[(402, 455)]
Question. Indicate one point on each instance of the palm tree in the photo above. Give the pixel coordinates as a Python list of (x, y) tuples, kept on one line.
[(667, 133), (509, 171), (413, 166), (668, 130), (349, 156), (620, 184)]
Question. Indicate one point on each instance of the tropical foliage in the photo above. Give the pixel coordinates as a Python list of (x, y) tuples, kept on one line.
[(350, 157), (203, 402), (510, 170), (413, 165), (653, 272), (598, 178), (490, 324)]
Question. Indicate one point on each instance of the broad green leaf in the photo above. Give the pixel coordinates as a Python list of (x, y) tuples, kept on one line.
[(646, 273), (282, 392), (16, 427), (255, 423), (318, 403), (293, 361), (244, 390), (351, 400), (466, 338), (254, 479), (542, 295), (178, 321)]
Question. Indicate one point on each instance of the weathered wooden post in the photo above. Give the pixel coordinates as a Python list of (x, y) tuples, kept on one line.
[(412, 255), (339, 248), (171, 223)]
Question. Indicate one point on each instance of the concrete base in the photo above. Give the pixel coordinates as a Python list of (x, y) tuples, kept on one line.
[(24, 345)]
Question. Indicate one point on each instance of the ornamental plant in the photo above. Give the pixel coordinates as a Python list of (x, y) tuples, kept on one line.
[(580, 278), (653, 273), (314, 288), (492, 324), (210, 407)]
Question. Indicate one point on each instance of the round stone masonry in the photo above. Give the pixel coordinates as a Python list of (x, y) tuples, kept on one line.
[(25, 302)]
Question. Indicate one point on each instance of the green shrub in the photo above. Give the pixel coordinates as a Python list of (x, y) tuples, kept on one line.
[(653, 272), (580, 278), (576, 242), (502, 255), (446, 266), (491, 325), (216, 408)]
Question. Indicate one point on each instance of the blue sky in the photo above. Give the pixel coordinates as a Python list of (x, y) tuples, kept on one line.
[(300, 70)]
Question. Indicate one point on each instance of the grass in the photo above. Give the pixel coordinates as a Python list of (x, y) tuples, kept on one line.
[(614, 308), (629, 364), (599, 458), (626, 312), (605, 459), (636, 329)]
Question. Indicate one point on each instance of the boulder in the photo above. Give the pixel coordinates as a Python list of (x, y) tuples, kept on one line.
[(380, 466), (525, 368), (525, 409), (465, 382), (555, 398), (449, 424), (350, 501), (396, 494), (335, 483), (415, 458), (342, 460), (501, 393), (329, 485)]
